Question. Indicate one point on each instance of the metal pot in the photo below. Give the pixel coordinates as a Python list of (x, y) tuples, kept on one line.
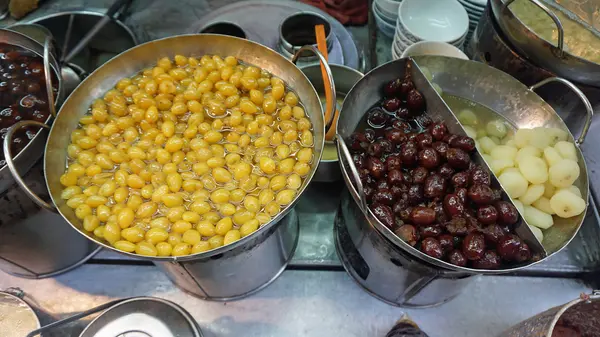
[(479, 83), (18, 317), (581, 313), (344, 79), (540, 51), (217, 267), (384, 270)]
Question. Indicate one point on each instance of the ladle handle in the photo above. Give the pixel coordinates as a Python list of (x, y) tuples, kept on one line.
[(344, 153), (328, 123), (588, 106), (48, 76), (10, 163), (74, 317), (559, 26)]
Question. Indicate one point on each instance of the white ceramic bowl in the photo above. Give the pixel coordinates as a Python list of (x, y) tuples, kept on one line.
[(386, 28), (433, 20), (434, 48), (388, 8), (386, 17)]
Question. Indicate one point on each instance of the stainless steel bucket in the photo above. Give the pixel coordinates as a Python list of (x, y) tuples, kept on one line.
[(384, 270)]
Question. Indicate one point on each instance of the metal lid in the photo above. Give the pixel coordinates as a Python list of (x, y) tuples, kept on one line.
[(17, 318), (143, 317)]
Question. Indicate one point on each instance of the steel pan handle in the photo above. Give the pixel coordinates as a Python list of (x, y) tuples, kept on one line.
[(329, 77), (13, 169), (589, 111), (345, 153), (559, 26)]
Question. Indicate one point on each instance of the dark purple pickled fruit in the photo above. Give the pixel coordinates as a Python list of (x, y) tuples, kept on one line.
[(386, 146), (393, 162), (412, 137), (457, 226), (440, 214), (359, 136), (497, 193), (460, 179), (398, 190), (400, 206), (401, 125), (453, 206), (435, 186), (424, 121), (479, 176), (507, 213), (408, 154), (375, 167), (446, 170), (458, 158), (489, 260), (377, 118), (429, 158), (487, 215), (369, 192), (391, 104), (395, 177), (408, 233), (375, 150), (395, 136), (357, 145), (432, 247), (447, 242), (430, 231), (441, 148), (422, 216), (462, 194), (403, 113), (464, 143), (438, 131), (415, 194), (384, 214), (382, 183), (369, 135), (419, 175), (392, 88), (524, 253), (473, 246), (383, 196), (359, 160), (508, 247), (493, 233), (415, 101), (405, 214), (407, 178), (457, 258), (481, 194), (472, 223), (406, 86), (424, 140)]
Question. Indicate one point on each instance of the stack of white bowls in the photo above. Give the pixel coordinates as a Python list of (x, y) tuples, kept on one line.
[(429, 20), (386, 13), (474, 9)]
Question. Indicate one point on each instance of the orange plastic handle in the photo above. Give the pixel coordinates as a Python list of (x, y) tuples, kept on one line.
[(322, 45)]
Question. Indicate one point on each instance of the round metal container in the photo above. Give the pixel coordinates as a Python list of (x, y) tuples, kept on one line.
[(17, 318), (386, 271), (143, 317), (582, 314), (344, 79), (257, 258)]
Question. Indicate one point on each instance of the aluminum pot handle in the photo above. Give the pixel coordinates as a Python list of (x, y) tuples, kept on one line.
[(13, 169), (589, 111), (48, 75), (559, 26), (353, 172), (329, 77)]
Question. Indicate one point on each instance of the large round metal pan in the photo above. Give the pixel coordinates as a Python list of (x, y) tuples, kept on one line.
[(545, 54), (487, 86)]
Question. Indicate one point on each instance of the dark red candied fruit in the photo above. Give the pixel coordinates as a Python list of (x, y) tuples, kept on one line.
[(457, 258), (415, 194), (392, 88), (434, 186), (440, 214), (395, 136), (401, 125), (382, 183), (375, 167), (453, 206), (377, 118), (384, 214), (489, 260), (403, 113), (508, 247), (487, 215), (391, 104), (422, 216), (472, 224), (359, 160), (462, 194), (407, 178), (405, 214), (524, 253), (457, 226), (430, 231), (386, 146), (400, 206), (406, 86), (446, 171), (419, 175), (449, 137), (415, 101), (429, 158), (447, 242), (398, 190), (408, 154), (375, 150), (369, 135), (460, 179), (493, 233), (481, 194), (408, 233), (464, 143), (458, 158), (479, 176), (412, 137), (441, 148), (393, 162), (473, 246), (395, 177), (383, 196), (432, 247), (438, 131), (507, 213), (424, 140)]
